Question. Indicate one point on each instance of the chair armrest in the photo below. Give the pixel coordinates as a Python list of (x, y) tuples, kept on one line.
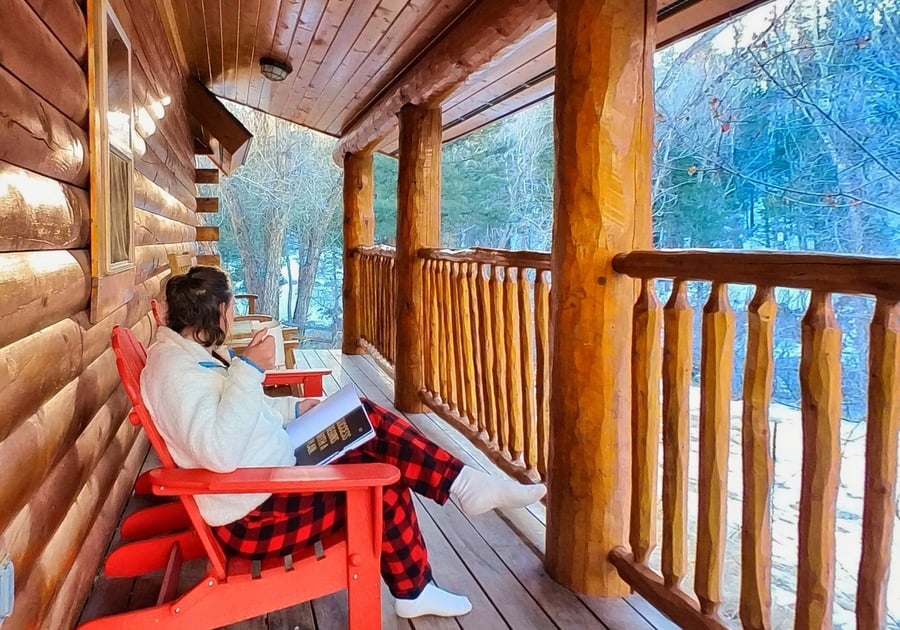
[(251, 300), (292, 377), (280, 480)]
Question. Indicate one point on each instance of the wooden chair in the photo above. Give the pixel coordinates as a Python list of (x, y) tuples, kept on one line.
[(233, 589)]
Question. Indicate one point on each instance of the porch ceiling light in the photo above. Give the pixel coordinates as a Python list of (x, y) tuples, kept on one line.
[(273, 69)]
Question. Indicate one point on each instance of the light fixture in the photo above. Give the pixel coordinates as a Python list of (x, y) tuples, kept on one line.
[(273, 69)]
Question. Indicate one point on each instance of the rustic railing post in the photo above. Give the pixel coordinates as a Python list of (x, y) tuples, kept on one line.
[(359, 229), (604, 142), (418, 225)]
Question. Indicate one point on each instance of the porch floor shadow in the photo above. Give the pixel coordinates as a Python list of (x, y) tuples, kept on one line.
[(496, 559)]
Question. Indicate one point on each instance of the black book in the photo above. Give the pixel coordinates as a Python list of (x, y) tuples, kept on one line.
[(336, 425)]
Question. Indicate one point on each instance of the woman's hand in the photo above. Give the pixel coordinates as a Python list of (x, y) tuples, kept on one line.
[(261, 349), (305, 405)]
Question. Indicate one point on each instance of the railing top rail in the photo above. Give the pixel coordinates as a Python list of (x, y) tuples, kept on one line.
[(376, 250), (499, 257), (832, 273)]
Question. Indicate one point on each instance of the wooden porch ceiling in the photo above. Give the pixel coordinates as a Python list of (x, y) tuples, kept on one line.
[(346, 53)]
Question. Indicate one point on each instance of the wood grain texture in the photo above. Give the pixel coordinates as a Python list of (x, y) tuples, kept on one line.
[(208, 205), (758, 472), (39, 289), (646, 373), (206, 176), (716, 367), (36, 136), (882, 427), (820, 394), (37, 212), (66, 21), (418, 225), (468, 344), (488, 359), (603, 148), (676, 379), (833, 273), (527, 374), (458, 351), (477, 361), (542, 378), (512, 335), (207, 233), (359, 229), (480, 35), (30, 51), (152, 229), (501, 363)]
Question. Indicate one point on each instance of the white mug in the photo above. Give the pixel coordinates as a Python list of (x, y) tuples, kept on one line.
[(274, 331)]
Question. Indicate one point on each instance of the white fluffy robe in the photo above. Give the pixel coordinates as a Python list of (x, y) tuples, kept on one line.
[(215, 418)]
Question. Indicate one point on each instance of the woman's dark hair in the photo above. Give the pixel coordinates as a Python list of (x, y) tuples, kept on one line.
[(193, 300)]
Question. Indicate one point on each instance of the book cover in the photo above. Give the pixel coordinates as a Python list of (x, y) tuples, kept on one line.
[(336, 425)]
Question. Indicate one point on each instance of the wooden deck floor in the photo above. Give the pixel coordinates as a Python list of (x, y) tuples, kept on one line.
[(495, 559)]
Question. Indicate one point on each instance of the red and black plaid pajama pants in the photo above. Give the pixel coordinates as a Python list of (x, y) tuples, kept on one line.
[(284, 522)]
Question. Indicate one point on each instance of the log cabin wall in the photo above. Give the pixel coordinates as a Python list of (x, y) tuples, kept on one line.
[(68, 458)]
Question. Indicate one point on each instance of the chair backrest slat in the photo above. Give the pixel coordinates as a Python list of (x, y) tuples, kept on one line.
[(131, 357)]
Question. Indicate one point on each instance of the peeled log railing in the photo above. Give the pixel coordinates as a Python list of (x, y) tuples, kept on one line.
[(377, 300), (820, 371), (487, 354)]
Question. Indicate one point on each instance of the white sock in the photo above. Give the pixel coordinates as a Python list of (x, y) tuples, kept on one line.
[(478, 492), (433, 601)]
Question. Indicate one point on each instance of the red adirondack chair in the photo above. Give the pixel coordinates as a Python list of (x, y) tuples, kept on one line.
[(231, 590)]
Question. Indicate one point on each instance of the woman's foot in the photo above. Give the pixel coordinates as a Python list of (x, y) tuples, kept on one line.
[(433, 601), (479, 492)]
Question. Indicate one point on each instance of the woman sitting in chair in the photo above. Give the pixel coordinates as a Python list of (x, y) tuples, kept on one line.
[(212, 413)]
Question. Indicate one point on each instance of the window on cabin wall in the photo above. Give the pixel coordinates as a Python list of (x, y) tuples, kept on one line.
[(112, 161)]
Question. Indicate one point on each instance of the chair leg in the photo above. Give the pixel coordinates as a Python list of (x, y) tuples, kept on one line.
[(363, 551)]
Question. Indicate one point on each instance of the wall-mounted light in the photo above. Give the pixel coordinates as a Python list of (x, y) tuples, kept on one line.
[(273, 69)]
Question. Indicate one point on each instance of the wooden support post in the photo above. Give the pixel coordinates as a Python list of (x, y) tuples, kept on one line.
[(359, 229), (604, 143), (418, 225)]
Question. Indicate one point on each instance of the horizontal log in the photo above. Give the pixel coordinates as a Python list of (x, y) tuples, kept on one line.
[(206, 175), (830, 273), (38, 289), (207, 204), (35, 368), (39, 586), (30, 51), (151, 166), (65, 609), (33, 449), (480, 35), (150, 196), (206, 233), (37, 212), (672, 602), (36, 136), (152, 259), (66, 21), (152, 229), (496, 257), (385, 251)]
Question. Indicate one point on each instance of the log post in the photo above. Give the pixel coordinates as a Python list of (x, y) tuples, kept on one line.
[(604, 142), (418, 225), (359, 229)]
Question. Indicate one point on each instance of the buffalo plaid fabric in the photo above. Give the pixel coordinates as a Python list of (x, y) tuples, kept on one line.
[(284, 522)]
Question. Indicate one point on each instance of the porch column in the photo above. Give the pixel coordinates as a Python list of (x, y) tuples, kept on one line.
[(604, 141), (418, 225), (359, 229)]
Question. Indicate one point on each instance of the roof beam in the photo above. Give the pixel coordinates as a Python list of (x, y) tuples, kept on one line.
[(483, 33)]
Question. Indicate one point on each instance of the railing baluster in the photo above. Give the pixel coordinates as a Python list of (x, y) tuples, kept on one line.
[(431, 334), (881, 466), (646, 368), (676, 432), (529, 404), (462, 402), (392, 296), (489, 365), (450, 398), (820, 385), (756, 534), (500, 356), (465, 311), (716, 366), (514, 360), (477, 349), (542, 335)]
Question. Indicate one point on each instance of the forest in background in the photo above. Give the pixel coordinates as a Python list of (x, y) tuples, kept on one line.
[(776, 131)]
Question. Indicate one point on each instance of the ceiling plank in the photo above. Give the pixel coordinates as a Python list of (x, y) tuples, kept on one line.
[(245, 62), (483, 33), (230, 13), (262, 47)]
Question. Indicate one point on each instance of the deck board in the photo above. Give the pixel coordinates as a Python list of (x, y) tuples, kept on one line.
[(495, 559)]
